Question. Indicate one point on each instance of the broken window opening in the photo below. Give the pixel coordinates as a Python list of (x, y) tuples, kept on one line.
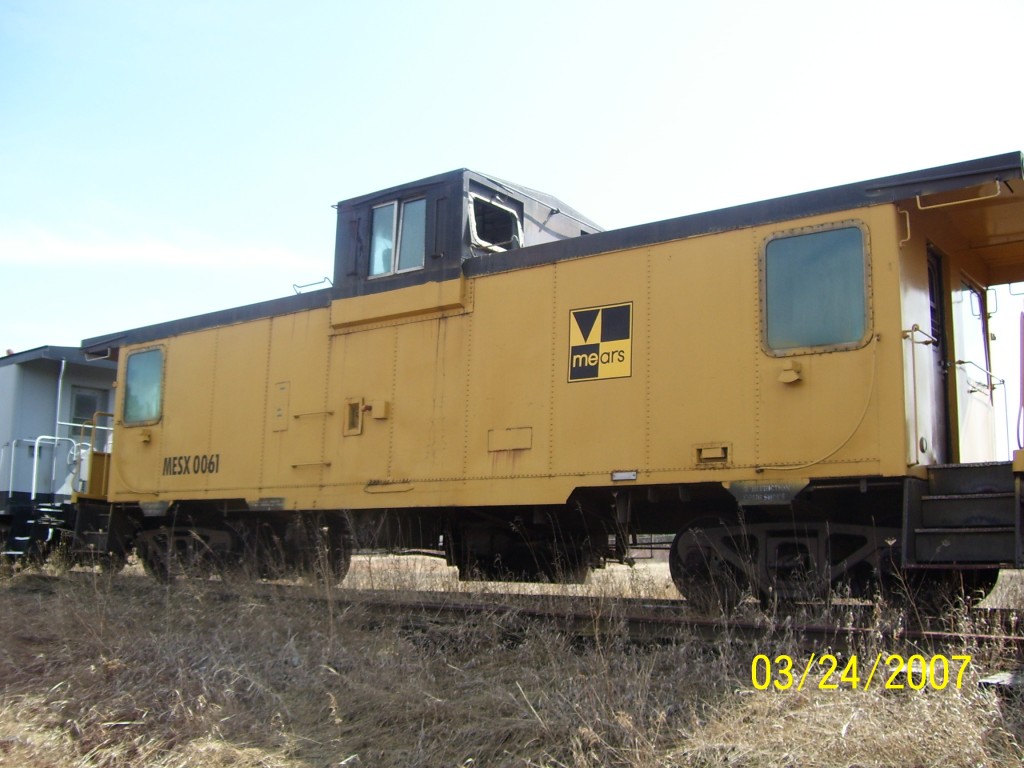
[(493, 227)]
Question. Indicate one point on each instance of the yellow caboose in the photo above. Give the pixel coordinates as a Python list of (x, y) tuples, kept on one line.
[(793, 388)]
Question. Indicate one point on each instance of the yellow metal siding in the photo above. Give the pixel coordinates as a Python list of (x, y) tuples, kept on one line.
[(234, 426), (428, 395), (362, 370), (468, 401), (509, 373), (292, 364), (184, 430), (702, 298), (598, 425)]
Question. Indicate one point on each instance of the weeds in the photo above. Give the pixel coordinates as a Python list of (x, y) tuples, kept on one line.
[(111, 672)]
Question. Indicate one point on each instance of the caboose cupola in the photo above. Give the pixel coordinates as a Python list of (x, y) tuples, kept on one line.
[(422, 232)]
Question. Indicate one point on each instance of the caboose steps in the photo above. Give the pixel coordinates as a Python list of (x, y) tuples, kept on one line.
[(967, 514), (976, 510), (959, 479), (991, 546)]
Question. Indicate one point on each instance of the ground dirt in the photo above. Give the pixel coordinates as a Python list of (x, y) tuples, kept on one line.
[(112, 671)]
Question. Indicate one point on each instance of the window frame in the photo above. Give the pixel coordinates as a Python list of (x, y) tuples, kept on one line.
[(396, 237), (163, 381), (102, 403), (474, 237), (868, 307)]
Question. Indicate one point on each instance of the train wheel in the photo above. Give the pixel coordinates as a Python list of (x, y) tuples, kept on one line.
[(702, 571)]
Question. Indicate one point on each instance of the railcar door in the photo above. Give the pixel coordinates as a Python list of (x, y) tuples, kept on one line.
[(817, 374), (975, 411)]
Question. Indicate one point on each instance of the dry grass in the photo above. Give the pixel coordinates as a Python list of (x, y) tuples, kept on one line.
[(124, 672)]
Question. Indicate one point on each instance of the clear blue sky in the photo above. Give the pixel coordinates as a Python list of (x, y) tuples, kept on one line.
[(162, 159)]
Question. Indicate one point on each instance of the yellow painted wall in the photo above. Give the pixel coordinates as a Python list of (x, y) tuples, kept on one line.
[(463, 397)]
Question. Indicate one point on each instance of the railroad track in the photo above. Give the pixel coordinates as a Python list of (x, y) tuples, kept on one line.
[(845, 628), (670, 621)]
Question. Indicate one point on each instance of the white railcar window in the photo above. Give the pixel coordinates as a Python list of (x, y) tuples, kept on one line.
[(85, 403), (399, 236), (143, 393), (412, 242), (815, 289), (382, 242)]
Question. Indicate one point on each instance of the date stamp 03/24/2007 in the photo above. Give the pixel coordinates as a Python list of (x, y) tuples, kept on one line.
[(888, 671)]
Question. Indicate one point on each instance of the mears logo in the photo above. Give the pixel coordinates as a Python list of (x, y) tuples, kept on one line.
[(601, 342)]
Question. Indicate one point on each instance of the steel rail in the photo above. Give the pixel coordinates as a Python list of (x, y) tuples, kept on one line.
[(634, 619)]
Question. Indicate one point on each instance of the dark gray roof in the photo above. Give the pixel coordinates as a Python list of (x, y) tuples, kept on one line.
[(889, 189), (263, 309), (875, 192), (544, 199), (73, 355)]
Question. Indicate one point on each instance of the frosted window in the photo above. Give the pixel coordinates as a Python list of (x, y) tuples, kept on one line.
[(412, 242), (144, 377), (382, 242), (85, 403), (815, 289), (970, 341), (405, 223)]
